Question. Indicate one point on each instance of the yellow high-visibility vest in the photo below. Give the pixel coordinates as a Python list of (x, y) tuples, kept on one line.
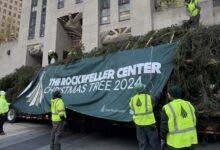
[(191, 7), (141, 104), (4, 105), (181, 124), (57, 109)]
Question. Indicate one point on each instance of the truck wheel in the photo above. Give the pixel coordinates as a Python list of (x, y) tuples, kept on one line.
[(12, 115)]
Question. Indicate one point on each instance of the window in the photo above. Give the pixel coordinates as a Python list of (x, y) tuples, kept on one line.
[(10, 7), (15, 8), (79, 1), (14, 15), (5, 5), (8, 52), (32, 25), (122, 2), (11, 1), (16, 2), (43, 18), (32, 22), (216, 3), (124, 9), (9, 13), (60, 4), (4, 11), (104, 11), (34, 5), (34, 2), (19, 16), (0, 2)]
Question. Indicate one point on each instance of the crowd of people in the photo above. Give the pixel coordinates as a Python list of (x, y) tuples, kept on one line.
[(177, 126)]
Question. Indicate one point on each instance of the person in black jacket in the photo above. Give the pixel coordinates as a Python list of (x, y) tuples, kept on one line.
[(52, 57), (186, 116)]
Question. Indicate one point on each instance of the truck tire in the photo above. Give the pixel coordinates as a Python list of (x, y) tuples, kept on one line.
[(12, 115)]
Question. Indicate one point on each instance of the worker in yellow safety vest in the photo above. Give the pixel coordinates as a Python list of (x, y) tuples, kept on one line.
[(141, 106), (58, 119), (4, 107), (193, 8), (178, 122)]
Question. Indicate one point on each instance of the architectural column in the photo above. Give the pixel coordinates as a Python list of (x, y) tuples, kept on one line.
[(90, 32), (141, 16), (114, 15), (50, 30), (23, 34)]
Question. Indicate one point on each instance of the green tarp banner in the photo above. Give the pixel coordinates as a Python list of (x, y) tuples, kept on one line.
[(101, 86)]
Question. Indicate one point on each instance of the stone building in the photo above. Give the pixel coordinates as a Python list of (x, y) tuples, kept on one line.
[(60, 25), (10, 9)]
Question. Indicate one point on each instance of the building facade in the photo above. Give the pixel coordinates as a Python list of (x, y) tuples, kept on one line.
[(10, 9), (60, 25)]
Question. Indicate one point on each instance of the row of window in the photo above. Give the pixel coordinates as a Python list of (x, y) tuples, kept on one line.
[(43, 18), (33, 17), (6, 4), (3, 24), (79, 1), (123, 10), (15, 1), (4, 11), (14, 21), (11, 8), (60, 3), (15, 9)]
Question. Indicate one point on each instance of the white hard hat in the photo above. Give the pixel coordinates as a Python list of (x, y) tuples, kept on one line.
[(50, 51), (2, 93)]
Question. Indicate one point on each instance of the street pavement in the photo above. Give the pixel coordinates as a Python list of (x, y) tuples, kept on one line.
[(35, 136)]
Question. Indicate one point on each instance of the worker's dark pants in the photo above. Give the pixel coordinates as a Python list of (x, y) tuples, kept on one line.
[(56, 135), (194, 21), (188, 148), (147, 137), (2, 120)]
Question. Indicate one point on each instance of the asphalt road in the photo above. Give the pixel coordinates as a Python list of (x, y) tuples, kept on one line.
[(32, 136)]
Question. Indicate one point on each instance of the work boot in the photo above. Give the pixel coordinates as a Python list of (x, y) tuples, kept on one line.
[(57, 147), (51, 146), (2, 133)]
